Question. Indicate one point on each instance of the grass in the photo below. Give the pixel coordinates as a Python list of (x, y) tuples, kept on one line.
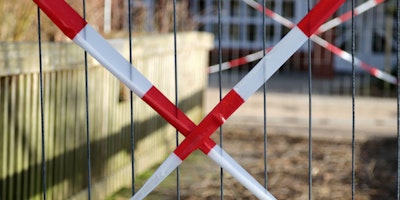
[(168, 186)]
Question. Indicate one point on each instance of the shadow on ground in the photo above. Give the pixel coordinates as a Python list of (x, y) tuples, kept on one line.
[(377, 167), (288, 169)]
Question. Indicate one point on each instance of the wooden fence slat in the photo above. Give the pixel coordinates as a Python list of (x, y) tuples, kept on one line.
[(37, 141), (3, 135), (30, 133), (47, 134), (77, 162), (55, 133), (71, 96), (11, 133), (27, 134), (80, 138), (58, 132), (107, 122), (6, 133), (63, 131), (75, 133), (25, 138), (64, 120), (19, 134), (34, 133)]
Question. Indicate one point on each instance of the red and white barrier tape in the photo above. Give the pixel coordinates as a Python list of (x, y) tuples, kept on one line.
[(237, 62), (330, 47), (244, 89), (347, 57), (325, 27), (348, 15), (76, 28)]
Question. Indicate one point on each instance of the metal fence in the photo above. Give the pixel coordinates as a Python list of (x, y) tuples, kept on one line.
[(64, 122), (300, 70)]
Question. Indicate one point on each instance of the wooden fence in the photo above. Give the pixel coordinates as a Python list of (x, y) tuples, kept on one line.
[(109, 114)]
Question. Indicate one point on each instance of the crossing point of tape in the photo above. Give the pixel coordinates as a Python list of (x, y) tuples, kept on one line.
[(250, 83), (77, 29), (330, 47)]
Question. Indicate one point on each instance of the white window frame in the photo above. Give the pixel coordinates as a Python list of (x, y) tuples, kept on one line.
[(243, 20)]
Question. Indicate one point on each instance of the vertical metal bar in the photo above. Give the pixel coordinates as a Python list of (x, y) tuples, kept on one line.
[(176, 96), (41, 105), (398, 95), (310, 147), (353, 93), (132, 131), (220, 90), (87, 115), (265, 100)]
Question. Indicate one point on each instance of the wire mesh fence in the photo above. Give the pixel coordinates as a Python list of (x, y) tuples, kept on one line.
[(341, 84)]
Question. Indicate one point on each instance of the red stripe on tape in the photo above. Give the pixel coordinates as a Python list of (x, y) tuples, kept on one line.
[(207, 145), (211, 122), (259, 7), (63, 15), (267, 11), (346, 16), (318, 15), (334, 49), (237, 62), (372, 70), (173, 115), (165, 108)]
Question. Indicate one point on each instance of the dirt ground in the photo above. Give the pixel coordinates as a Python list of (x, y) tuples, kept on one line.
[(287, 168), (288, 151)]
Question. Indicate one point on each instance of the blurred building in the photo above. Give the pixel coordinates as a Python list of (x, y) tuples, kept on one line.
[(242, 29)]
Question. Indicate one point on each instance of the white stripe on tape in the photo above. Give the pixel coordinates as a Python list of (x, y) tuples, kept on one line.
[(90, 40), (357, 11), (365, 6), (255, 56), (220, 156), (271, 63), (160, 174)]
